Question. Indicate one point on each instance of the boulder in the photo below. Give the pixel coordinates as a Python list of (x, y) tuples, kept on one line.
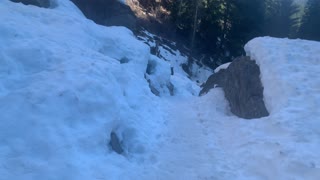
[(107, 12), (242, 88), (39, 3)]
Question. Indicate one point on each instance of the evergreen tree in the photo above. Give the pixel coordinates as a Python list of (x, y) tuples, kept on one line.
[(310, 27), (182, 16), (280, 20), (246, 21)]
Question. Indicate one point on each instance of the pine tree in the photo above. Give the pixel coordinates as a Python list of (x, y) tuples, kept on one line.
[(246, 21), (280, 20), (310, 27)]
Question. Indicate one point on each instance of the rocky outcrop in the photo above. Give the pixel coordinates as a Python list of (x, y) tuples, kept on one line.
[(242, 88), (107, 12), (39, 3)]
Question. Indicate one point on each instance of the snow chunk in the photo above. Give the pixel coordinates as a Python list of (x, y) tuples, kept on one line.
[(222, 66), (158, 74)]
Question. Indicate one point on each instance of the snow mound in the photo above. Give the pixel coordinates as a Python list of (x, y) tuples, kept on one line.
[(284, 145), (158, 75), (289, 71), (65, 85)]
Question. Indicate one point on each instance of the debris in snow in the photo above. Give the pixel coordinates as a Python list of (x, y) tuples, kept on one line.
[(115, 143)]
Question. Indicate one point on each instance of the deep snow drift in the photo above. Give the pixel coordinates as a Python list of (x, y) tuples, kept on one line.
[(66, 83)]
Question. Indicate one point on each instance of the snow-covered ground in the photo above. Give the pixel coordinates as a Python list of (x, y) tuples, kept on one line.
[(66, 83), (175, 58)]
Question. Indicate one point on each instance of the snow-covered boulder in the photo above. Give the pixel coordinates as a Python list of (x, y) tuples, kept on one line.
[(242, 88)]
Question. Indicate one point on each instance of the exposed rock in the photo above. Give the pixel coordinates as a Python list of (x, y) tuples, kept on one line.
[(107, 12), (115, 143), (215, 80), (39, 3), (242, 87)]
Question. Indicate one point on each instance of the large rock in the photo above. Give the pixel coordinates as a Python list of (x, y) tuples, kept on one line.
[(242, 87), (107, 12), (39, 3)]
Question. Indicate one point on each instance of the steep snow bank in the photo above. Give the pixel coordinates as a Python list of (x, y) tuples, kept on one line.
[(63, 88), (289, 70)]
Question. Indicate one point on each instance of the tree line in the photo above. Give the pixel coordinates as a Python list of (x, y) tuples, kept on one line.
[(222, 27)]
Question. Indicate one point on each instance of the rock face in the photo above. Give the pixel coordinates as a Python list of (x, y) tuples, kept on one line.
[(242, 87), (39, 3), (107, 12)]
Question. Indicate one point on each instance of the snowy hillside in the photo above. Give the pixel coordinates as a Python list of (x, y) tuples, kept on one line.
[(66, 83)]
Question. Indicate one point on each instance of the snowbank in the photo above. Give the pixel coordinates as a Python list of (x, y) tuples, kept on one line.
[(289, 69), (64, 86), (284, 145)]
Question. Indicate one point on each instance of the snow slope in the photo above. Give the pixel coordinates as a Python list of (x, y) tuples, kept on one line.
[(66, 83), (63, 90)]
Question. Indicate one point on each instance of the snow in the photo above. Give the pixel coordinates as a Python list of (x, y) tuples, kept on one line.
[(159, 75), (67, 83), (62, 92), (175, 58), (222, 66)]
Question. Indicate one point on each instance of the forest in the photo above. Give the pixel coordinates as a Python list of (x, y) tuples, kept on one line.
[(220, 28)]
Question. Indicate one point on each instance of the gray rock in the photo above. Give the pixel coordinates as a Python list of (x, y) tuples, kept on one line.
[(115, 143), (107, 12), (39, 3), (215, 80), (242, 88)]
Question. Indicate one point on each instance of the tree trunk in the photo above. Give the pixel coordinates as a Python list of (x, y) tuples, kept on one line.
[(195, 25)]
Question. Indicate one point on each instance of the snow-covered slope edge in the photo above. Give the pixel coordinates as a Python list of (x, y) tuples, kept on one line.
[(289, 69), (65, 84), (290, 75)]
